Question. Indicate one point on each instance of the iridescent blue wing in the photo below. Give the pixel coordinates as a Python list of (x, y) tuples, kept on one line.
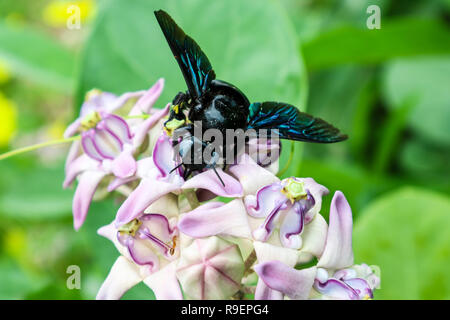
[(193, 62), (291, 123)]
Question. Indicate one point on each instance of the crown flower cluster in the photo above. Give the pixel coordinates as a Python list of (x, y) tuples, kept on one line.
[(238, 232)]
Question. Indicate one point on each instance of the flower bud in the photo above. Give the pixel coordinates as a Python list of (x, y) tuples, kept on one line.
[(210, 268)]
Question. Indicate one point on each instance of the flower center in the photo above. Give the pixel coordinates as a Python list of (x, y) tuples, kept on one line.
[(90, 121), (131, 227), (294, 190)]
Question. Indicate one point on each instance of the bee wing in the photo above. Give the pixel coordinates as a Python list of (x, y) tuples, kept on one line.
[(193, 62), (291, 123)]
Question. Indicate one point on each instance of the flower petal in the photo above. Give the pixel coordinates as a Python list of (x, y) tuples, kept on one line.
[(148, 191), (317, 191), (251, 176), (267, 199), (97, 101), (156, 228), (140, 250), (116, 126), (89, 145), (338, 253), (292, 226), (143, 129), (123, 276), (361, 287), (336, 289), (106, 144), (124, 165), (296, 284), (267, 204), (314, 237), (120, 101), (166, 205), (164, 283), (216, 218), (72, 129), (268, 252), (77, 166), (263, 292), (144, 166), (148, 99), (87, 185), (74, 153), (208, 180), (108, 231), (163, 157), (117, 182)]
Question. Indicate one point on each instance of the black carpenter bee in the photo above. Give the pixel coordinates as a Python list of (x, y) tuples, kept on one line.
[(219, 105)]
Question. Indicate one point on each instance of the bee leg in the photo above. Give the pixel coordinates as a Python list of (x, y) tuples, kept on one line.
[(218, 176), (175, 168), (212, 165), (186, 174)]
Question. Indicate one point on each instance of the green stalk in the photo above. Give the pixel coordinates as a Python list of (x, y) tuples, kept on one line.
[(37, 146)]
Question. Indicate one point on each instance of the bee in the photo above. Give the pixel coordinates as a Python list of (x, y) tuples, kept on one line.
[(219, 105)]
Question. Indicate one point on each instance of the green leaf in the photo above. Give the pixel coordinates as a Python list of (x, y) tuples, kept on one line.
[(34, 193), (426, 81), (343, 96), (36, 56), (403, 37), (390, 136), (405, 234), (426, 161), (249, 43), (16, 282)]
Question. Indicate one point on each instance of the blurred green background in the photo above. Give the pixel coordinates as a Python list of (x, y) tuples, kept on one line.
[(388, 89)]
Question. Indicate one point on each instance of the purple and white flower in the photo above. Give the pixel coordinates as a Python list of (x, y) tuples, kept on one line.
[(108, 143), (337, 277), (149, 248), (285, 206), (334, 277)]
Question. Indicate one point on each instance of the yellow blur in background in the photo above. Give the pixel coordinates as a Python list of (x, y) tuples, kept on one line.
[(56, 12)]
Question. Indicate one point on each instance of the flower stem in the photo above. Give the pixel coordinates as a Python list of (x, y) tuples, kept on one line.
[(249, 263), (37, 146), (288, 163), (139, 116), (191, 198)]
